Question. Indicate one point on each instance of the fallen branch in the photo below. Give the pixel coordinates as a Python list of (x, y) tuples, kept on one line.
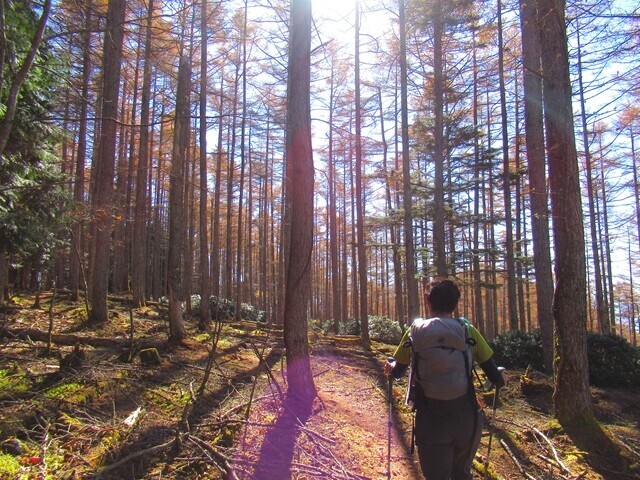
[(555, 452), (552, 463), (31, 334), (515, 460), (625, 443), (148, 451), (226, 461)]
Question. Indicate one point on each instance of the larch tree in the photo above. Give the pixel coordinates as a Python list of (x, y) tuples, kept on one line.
[(139, 243), (439, 237), (360, 200), (601, 306), (77, 232), (571, 397), (104, 163), (177, 198), (299, 177), (512, 309), (205, 283), (413, 303), (536, 169)]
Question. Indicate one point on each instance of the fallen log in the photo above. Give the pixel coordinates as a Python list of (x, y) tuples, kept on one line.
[(31, 334)]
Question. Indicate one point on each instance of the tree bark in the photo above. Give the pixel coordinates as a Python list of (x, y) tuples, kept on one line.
[(77, 236), (215, 233), (536, 168), (139, 242), (205, 283), (506, 186), (478, 308), (360, 200), (299, 201), (177, 221), (439, 236), (105, 161), (601, 307), (413, 303), (333, 216), (571, 397)]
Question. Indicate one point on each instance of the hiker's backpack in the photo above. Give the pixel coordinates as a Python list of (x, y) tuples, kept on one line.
[(441, 357)]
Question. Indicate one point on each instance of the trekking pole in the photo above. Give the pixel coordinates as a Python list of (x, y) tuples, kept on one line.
[(493, 418), (390, 418)]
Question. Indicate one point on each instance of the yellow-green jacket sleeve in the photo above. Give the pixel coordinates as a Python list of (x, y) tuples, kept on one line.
[(481, 351)]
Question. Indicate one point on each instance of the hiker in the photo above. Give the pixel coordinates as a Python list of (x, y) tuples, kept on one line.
[(448, 425)]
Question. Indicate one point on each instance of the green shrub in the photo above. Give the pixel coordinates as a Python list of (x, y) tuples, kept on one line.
[(350, 327), (222, 308), (613, 362), (517, 349), (383, 329)]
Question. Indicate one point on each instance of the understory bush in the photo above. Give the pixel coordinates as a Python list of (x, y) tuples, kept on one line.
[(517, 349), (222, 308), (613, 361), (326, 327), (382, 329)]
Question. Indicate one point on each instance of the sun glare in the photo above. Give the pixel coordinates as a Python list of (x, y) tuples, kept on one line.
[(336, 18)]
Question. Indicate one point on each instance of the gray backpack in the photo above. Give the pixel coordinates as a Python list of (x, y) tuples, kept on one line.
[(441, 357)]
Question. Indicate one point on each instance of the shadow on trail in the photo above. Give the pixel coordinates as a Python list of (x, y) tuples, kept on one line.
[(602, 453), (276, 454)]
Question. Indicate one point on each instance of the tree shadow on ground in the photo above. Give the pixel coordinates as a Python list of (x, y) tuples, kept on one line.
[(603, 453), (276, 453)]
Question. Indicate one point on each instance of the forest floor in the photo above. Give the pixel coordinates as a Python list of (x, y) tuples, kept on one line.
[(89, 407)]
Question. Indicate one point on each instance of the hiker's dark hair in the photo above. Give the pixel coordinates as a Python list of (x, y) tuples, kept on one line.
[(443, 295)]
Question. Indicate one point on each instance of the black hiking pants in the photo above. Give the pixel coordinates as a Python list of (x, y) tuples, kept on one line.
[(447, 436)]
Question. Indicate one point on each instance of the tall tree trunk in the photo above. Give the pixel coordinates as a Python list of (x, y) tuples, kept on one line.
[(139, 250), (636, 195), (439, 236), (606, 243), (177, 220), (360, 200), (159, 252), (413, 303), (228, 269), (520, 213), (491, 277), (536, 169), (333, 217), (243, 127), (77, 237), (601, 308), (389, 181), (105, 161), (506, 184), (632, 302), (478, 308), (215, 234), (571, 397), (205, 282), (299, 201)]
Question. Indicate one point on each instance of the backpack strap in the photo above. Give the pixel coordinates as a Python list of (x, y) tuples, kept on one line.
[(471, 391)]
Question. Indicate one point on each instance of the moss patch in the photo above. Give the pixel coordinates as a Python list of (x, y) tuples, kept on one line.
[(12, 383), (72, 392), (9, 466)]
